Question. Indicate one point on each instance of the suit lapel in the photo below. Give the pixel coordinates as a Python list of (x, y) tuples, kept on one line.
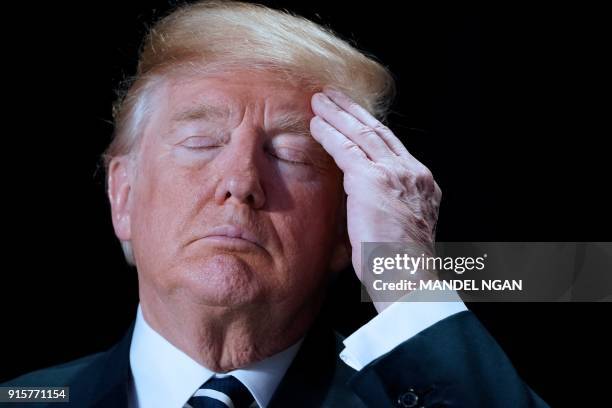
[(114, 376), (317, 377)]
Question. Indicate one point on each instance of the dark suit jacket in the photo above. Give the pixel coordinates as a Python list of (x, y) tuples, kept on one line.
[(454, 363)]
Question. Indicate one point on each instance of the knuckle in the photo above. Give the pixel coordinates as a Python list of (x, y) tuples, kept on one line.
[(426, 174), (381, 128), (437, 189), (347, 145), (365, 132), (425, 182), (405, 177), (353, 106), (351, 147)]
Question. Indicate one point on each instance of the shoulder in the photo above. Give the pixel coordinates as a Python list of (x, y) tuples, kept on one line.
[(57, 375), (97, 377)]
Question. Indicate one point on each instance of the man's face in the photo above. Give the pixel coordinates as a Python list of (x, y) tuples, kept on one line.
[(232, 202)]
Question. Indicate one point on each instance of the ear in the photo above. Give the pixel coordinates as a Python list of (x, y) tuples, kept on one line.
[(341, 255), (119, 188)]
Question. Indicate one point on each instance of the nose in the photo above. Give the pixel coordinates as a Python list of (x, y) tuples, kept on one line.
[(240, 178)]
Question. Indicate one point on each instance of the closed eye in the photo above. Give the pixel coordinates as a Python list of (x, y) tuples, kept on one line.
[(200, 143), (292, 156)]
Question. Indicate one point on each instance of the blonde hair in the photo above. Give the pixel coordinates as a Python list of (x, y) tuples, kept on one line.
[(219, 36)]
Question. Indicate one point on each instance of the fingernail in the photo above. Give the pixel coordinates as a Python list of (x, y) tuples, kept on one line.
[(332, 91), (320, 96)]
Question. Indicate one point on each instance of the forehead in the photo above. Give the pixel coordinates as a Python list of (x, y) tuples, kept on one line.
[(221, 96)]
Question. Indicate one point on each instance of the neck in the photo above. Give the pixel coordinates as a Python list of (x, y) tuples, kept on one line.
[(226, 338)]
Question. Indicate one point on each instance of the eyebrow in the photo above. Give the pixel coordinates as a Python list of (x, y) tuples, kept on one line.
[(292, 123), (201, 112)]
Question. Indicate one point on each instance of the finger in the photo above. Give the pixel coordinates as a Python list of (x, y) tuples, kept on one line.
[(344, 151), (365, 137), (359, 112)]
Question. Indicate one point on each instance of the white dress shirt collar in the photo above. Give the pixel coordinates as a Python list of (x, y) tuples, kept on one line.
[(164, 376)]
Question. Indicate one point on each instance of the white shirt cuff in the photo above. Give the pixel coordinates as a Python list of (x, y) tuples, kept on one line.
[(394, 325)]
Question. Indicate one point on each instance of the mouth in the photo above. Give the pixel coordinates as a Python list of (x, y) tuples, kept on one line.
[(232, 236)]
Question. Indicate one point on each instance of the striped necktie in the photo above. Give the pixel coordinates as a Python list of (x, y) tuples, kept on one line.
[(224, 392)]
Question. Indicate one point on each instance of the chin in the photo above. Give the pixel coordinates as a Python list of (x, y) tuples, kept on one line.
[(223, 279)]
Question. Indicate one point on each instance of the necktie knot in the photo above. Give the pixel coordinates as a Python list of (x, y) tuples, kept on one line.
[(224, 392)]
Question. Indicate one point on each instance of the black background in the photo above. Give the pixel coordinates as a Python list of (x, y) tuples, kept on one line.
[(505, 106)]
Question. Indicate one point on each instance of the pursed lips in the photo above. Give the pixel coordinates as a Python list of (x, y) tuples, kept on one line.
[(233, 231)]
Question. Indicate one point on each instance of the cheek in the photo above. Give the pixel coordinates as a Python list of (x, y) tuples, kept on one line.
[(310, 220), (307, 232), (167, 196)]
